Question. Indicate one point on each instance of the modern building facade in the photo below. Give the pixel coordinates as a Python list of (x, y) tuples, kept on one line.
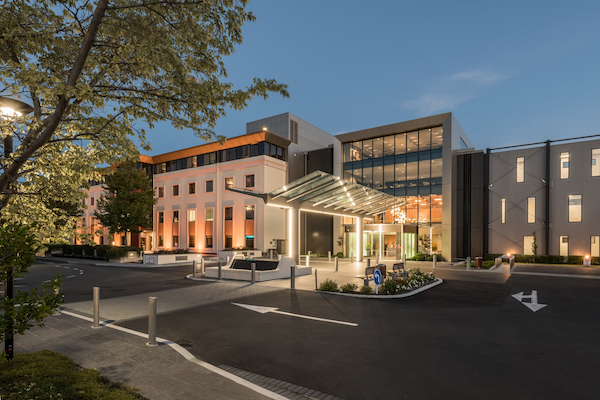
[(456, 201)]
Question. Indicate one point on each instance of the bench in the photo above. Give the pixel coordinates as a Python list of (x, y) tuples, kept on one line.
[(398, 270), (368, 276)]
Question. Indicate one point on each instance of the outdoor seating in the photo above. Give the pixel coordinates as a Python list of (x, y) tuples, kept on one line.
[(398, 270), (368, 276)]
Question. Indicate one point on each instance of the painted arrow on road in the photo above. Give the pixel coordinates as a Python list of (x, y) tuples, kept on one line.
[(534, 305), (264, 310)]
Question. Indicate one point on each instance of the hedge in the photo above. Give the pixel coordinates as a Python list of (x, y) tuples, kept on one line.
[(105, 252), (544, 259)]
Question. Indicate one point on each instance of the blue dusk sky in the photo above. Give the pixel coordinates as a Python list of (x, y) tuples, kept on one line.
[(512, 72)]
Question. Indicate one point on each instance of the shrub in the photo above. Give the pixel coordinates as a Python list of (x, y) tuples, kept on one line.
[(101, 251), (328, 286), (175, 251), (349, 288), (439, 258), (88, 250), (366, 290), (490, 257), (418, 257), (340, 254), (116, 252), (488, 264), (67, 249), (77, 250)]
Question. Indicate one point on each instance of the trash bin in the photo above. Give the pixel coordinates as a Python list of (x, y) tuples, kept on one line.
[(479, 262)]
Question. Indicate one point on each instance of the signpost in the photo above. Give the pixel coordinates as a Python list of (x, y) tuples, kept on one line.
[(377, 279)]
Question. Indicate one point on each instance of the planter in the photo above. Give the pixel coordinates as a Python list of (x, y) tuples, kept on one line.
[(158, 259), (245, 253), (132, 257)]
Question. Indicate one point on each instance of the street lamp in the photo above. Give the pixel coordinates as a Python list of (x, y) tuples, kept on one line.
[(10, 109)]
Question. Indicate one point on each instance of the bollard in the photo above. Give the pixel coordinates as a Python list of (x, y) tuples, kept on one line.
[(377, 258), (219, 269), (336, 263), (271, 254), (279, 257), (253, 272), (468, 263), (307, 260), (293, 277), (227, 263), (96, 307), (316, 286), (434, 261), (152, 322), (351, 257), (202, 271), (329, 255), (404, 260), (194, 268), (368, 262)]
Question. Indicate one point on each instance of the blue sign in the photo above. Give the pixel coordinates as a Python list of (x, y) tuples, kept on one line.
[(377, 276)]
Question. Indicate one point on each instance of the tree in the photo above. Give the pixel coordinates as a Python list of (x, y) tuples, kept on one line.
[(534, 246), (18, 245), (128, 200), (93, 70)]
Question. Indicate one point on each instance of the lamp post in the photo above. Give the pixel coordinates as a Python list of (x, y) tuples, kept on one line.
[(10, 109)]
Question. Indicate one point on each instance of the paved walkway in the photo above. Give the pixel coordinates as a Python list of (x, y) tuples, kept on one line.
[(160, 372)]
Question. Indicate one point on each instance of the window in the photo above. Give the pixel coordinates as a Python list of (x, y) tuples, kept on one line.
[(208, 226), (463, 145), (175, 190), (503, 210), (175, 216), (250, 212), (92, 201), (209, 186), (192, 228), (595, 162), (531, 210), (192, 215), (564, 246), (528, 245), (192, 241), (228, 213), (228, 183), (564, 165), (161, 241), (192, 188), (161, 192), (520, 169), (161, 217), (175, 241), (249, 232), (249, 181), (595, 248), (228, 227), (574, 208)]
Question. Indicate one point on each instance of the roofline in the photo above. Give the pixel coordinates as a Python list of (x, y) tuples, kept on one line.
[(247, 139), (399, 127)]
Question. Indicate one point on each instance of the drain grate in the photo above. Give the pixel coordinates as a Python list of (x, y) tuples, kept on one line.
[(282, 388), (184, 343)]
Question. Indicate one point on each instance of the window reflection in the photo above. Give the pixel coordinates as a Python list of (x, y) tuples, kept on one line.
[(412, 142)]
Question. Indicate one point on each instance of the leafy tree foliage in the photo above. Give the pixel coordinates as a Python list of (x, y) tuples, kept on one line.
[(128, 200), (92, 69), (18, 245)]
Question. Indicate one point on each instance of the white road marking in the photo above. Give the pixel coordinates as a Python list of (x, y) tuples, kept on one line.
[(67, 267), (264, 310), (71, 276), (534, 305)]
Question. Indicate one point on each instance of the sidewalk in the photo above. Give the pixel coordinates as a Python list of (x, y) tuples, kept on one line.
[(160, 372)]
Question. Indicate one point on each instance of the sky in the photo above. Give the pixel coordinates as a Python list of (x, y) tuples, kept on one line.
[(512, 72)]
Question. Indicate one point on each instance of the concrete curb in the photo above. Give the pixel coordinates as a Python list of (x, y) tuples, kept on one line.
[(437, 281), (188, 356)]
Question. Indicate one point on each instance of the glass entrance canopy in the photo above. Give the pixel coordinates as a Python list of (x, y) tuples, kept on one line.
[(324, 193)]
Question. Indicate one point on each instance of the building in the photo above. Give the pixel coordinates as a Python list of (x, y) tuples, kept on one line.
[(454, 200)]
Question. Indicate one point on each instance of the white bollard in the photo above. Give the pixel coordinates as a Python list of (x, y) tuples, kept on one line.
[(194, 268), (434, 261), (253, 272), (227, 263), (336, 263), (308, 260), (202, 265), (468, 263), (404, 260), (351, 257), (377, 258), (96, 307), (329, 255), (279, 257), (152, 322)]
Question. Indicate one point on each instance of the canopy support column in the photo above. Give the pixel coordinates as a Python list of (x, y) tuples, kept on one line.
[(294, 234), (359, 239)]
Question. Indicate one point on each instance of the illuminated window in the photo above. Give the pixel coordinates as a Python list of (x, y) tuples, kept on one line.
[(503, 210), (564, 245), (531, 210), (595, 248), (595, 162), (528, 245), (228, 183), (574, 208), (208, 226), (175, 216), (249, 181), (520, 169), (192, 215), (564, 165), (192, 228)]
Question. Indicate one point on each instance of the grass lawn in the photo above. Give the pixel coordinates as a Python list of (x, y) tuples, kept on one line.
[(49, 375)]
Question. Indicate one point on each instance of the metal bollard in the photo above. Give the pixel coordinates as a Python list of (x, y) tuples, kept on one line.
[(404, 260), (377, 258), (307, 260), (227, 263), (193, 268), (293, 277), (336, 263), (468, 263), (152, 322), (434, 261), (329, 255), (219, 269), (96, 307), (253, 272), (202, 271), (351, 257), (316, 285), (368, 262)]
